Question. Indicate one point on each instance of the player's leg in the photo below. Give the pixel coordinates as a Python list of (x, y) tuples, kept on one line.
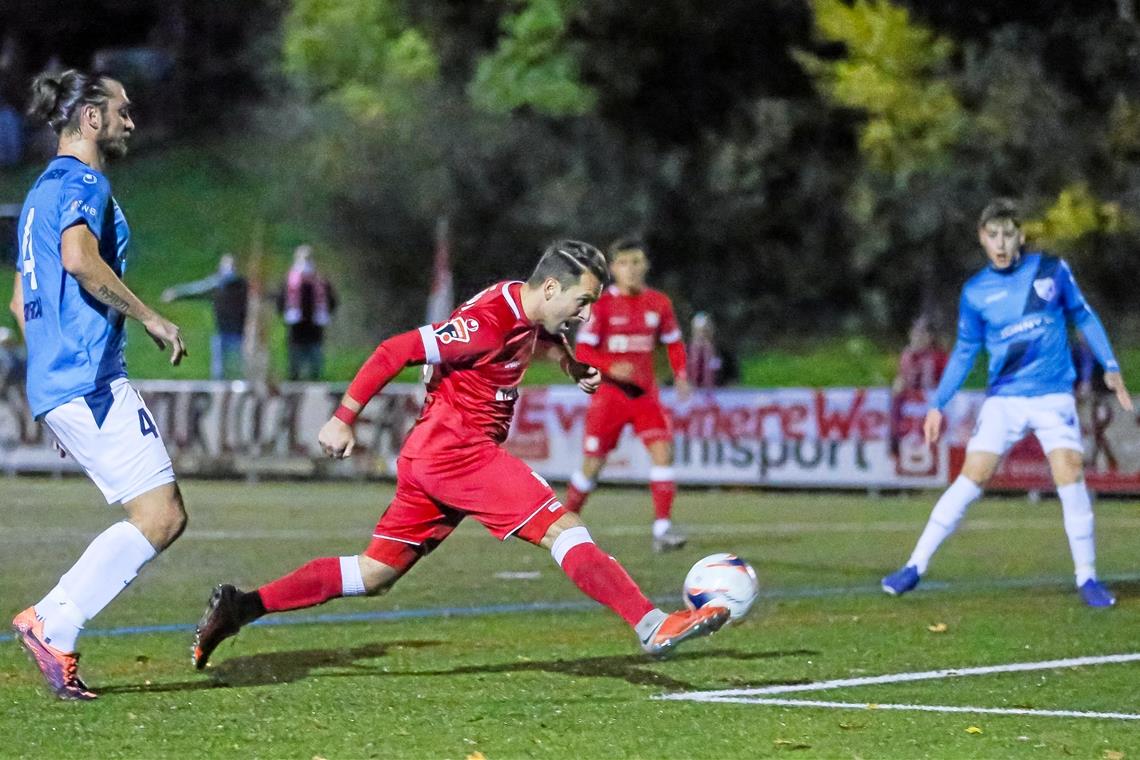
[(311, 584), (1056, 426), (582, 482), (652, 425), (112, 435), (1000, 423), (663, 488), (602, 578), (509, 499), (606, 416), (410, 527)]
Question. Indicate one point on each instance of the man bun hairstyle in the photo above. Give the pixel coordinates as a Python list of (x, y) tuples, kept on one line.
[(627, 243), (566, 260), (58, 99), (1000, 209)]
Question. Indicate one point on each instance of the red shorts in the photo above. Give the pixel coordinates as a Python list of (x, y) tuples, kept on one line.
[(433, 495), (611, 410)]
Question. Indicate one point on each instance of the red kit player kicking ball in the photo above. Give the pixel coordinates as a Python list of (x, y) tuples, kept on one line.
[(452, 464), (628, 322)]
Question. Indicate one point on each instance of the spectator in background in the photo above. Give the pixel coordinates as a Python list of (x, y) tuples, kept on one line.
[(230, 294), (711, 365), (920, 368), (11, 126), (306, 303)]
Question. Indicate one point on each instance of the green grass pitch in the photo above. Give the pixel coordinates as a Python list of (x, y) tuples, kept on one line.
[(568, 680)]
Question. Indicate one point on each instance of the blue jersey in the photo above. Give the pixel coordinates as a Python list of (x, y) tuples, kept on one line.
[(75, 342), (1021, 315)]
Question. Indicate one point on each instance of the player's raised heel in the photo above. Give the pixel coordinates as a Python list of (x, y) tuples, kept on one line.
[(901, 581), (670, 540), (60, 669), (221, 620), (683, 625), (1094, 594)]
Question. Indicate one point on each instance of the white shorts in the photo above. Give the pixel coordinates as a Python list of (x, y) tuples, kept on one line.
[(112, 434), (1004, 420)]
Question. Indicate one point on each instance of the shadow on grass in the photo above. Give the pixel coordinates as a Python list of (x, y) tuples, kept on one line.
[(269, 668), (634, 669)]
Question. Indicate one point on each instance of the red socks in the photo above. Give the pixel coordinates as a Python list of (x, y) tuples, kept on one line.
[(575, 499), (663, 492), (309, 585), (603, 579)]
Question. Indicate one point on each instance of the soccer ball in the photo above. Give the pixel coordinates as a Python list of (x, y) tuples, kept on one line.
[(722, 580)]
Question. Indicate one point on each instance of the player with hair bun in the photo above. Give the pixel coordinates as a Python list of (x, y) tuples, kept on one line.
[(72, 250)]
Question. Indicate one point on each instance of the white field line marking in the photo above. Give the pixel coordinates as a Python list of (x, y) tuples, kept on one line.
[(30, 535), (925, 675), (925, 708)]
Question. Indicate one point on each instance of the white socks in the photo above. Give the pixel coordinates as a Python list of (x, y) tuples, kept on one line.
[(351, 581), (649, 624), (661, 526), (943, 520), (581, 482), (1078, 514), (107, 566), (567, 540)]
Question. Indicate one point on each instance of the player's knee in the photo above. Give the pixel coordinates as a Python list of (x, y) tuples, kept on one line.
[(377, 577)]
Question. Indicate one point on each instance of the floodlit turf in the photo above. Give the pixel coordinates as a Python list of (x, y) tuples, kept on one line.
[(571, 683)]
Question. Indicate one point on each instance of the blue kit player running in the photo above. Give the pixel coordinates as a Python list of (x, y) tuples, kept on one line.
[(72, 242), (1019, 307)]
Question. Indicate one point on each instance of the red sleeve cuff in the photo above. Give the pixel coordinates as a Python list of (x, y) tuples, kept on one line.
[(345, 415)]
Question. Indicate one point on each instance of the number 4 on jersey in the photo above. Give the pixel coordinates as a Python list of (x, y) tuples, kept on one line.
[(146, 424)]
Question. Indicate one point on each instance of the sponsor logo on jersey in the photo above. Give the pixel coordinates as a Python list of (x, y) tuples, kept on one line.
[(457, 330), (1024, 325), (83, 207), (652, 319), (1045, 288), (996, 296), (89, 179)]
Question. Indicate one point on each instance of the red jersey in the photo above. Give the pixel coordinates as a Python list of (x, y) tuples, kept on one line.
[(476, 360), (921, 369), (628, 328)]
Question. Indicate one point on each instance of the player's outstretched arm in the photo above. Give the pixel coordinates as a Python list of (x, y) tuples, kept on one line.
[(80, 255)]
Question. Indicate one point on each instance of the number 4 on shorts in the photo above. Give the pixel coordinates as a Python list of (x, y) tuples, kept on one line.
[(146, 424)]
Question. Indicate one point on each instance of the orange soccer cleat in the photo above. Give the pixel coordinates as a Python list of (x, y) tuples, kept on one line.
[(681, 625), (60, 669)]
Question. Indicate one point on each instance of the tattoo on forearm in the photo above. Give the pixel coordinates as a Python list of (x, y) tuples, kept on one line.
[(113, 299)]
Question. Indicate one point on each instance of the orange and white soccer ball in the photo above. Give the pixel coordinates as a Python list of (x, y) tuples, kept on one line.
[(722, 580)]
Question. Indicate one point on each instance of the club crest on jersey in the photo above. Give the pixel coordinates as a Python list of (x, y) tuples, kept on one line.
[(457, 330), (652, 319), (1045, 288)]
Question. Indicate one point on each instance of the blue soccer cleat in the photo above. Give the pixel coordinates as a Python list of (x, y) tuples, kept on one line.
[(901, 581), (1095, 594)]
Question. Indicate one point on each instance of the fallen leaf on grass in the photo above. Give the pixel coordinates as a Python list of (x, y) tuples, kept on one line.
[(973, 730), (476, 755), (938, 628), (791, 744), (1113, 754)]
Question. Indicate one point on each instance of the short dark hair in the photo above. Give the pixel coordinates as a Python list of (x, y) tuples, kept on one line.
[(566, 260), (627, 243), (58, 99), (1000, 209)]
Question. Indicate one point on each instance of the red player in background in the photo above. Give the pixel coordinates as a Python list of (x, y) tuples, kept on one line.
[(629, 321), (452, 464), (920, 368)]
